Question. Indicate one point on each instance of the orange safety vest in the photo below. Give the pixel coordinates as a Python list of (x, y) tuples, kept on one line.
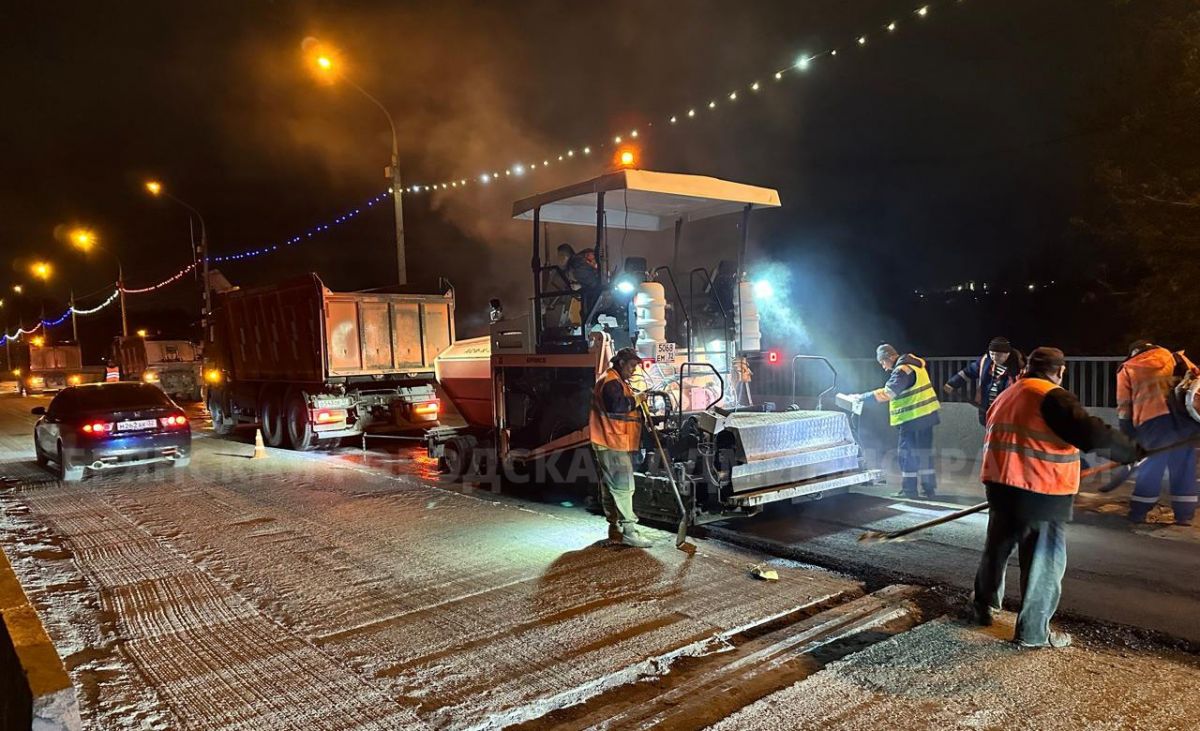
[(1144, 384), (112, 374), (620, 431), (1020, 449)]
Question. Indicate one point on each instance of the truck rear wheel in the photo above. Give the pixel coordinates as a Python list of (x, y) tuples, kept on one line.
[(222, 423), (457, 456), (270, 416), (299, 423)]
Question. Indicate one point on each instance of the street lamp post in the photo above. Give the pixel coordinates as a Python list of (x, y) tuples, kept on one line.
[(156, 189), (85, 241), (42, 270), (326, 64)]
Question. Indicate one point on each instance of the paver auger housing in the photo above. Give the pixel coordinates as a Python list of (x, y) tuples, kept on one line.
[(525, 389)]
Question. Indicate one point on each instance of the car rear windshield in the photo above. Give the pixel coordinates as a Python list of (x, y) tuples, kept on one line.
[(116, 397)]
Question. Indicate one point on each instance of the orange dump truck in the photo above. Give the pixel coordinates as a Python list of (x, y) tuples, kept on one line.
[(311, 366)]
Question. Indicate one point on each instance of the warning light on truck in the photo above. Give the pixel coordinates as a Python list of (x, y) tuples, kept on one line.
[(773, 356)]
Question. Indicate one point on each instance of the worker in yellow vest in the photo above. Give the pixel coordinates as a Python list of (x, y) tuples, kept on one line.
[(913, 409), (615, 426), (1034, 433)]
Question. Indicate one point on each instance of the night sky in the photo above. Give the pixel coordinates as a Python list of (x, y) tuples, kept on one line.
[(955, 149)]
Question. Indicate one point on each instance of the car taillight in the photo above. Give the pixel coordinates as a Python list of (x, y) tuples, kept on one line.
[(425, 409), (97, 427), (174, 421)]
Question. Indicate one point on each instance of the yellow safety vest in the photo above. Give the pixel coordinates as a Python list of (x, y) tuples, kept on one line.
[(916, 401)]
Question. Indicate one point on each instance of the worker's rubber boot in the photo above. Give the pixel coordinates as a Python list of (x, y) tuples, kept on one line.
[(614, 533), (1056, 639), (981, 613), (631, 537)]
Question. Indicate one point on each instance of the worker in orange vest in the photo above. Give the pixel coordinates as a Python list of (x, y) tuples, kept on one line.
[(1035, 431), (112, 373), (615, 426), (1144, 392)]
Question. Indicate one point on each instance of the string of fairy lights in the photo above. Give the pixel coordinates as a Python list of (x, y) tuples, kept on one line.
[(800, 67)]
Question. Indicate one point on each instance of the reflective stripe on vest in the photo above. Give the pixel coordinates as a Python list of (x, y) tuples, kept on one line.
[(918, 400), (112, 374), (621, 432), (1021, 450)]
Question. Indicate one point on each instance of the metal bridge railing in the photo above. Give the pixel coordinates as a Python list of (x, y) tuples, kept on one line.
[(1092, 378)]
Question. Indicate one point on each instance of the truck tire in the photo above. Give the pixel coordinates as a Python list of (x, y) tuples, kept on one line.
[(298, 423), (222, 423), (456, 457), (270, 417)]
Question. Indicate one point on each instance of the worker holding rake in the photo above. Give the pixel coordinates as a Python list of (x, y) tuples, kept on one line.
[(1035, 431)]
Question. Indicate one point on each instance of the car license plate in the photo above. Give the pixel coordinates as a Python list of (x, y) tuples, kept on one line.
[(136, 424)]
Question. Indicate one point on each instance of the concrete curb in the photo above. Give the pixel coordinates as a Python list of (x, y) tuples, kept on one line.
[(35, 691)]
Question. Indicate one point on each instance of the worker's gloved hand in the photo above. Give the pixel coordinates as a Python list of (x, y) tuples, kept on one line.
[(1140, 452), (1126, 427), (948, 389)]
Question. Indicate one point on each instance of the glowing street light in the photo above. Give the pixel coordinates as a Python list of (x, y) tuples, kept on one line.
[(200, 254), (41, 270), (324, 61), (18, 288), (85, 240)]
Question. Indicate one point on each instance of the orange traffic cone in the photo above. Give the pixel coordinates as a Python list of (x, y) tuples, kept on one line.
[(260, 449)]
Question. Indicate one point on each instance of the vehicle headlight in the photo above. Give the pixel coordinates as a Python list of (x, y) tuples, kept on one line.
[(37, 381), (212, 375), (150, 377), (74, 380)]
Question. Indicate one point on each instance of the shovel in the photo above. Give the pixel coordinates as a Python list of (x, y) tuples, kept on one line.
[(873, 536), (681, 533)]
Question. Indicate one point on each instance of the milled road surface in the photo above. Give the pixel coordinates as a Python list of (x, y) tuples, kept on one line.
[(304, 591), (343, 591)]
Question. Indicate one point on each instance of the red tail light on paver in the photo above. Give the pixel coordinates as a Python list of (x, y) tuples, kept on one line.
[(425, 409)]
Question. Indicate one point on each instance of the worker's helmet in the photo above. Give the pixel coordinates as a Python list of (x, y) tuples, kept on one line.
[(624, 355)]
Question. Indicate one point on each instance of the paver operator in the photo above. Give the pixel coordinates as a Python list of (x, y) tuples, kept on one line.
[(615, 425), (1035, 431), (913, 410), (1144, 399)]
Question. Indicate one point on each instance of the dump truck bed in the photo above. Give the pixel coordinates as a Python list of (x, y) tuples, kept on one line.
[(300, 331)]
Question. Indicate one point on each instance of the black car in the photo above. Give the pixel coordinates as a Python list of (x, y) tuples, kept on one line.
[(101, 426)]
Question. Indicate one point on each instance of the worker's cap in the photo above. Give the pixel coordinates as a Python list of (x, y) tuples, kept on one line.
[(624, 355), (885, 351), (999, 344), (1044, 359), (1138, 346)]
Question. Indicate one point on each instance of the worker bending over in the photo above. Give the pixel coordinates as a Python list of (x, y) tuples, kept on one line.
[(996, 370), (913, 410), (615, 425), (1145, 385), (1031, 450)]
